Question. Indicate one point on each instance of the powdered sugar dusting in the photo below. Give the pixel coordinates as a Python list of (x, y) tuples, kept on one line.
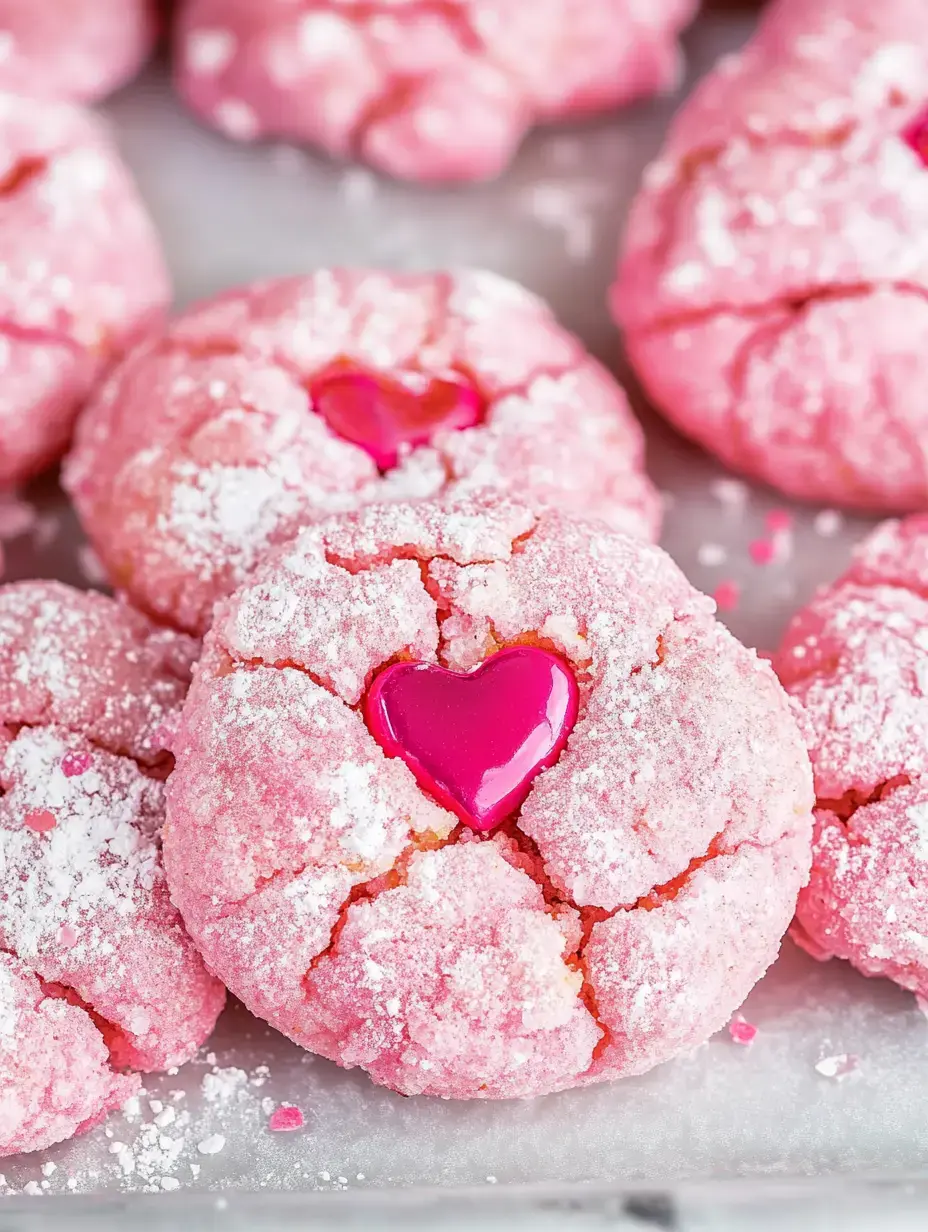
[(71, 229), (773, 290), (392, 889), (856, 659), (80, 857), (181, 503)]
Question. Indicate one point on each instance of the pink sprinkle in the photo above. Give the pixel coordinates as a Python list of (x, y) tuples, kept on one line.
[(741, 1032), (917, 136), (285, 1119), (67, 936), (727, 596), (762, 551), (40, 820), (73, 764), (778, 520)]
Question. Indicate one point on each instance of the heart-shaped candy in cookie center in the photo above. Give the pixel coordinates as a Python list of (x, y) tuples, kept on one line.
[(475, 740), (917, 135), (384, 413)]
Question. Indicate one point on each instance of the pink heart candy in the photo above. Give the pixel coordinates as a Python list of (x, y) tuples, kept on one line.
[(383, 414), (917, 136), (476, 740)]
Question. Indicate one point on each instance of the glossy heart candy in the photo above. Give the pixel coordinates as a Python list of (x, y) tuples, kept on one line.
[(917, 136), (384, 413), (475, 740)]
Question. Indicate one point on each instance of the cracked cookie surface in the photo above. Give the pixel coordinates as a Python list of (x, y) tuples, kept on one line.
[(773, 288), (421, 89), (98, 978), (856, 659), (618, 918), (82, 273), (204, 449)]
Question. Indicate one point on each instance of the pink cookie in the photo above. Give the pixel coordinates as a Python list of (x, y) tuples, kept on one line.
[(774, 285), (98, 974), (857, 660), (617, 918), (203, 450), (82, 271), (426, 92), (55, 1073), (77, 49)]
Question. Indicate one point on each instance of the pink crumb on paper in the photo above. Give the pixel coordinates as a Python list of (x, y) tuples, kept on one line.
[(727, 596), (75, 763), (285, 1119), (762, 551), (40, 820), (741, 1031), (778, 520)]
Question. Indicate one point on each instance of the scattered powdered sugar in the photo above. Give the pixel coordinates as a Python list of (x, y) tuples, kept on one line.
[(165, 1143), (90, 565), (732, 493), (710, 555), (212, 1145), (18, 517), (840, 1065), (569, 207), (828, 523)]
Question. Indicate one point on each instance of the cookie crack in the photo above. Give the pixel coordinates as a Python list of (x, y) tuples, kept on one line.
[(218, 346), (25, 170), (57, 990), (775, 317), (159, 767), (689, 164), (846, 806), (33, 335), (792, 304)]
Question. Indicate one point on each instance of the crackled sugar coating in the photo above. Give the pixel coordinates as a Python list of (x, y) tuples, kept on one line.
[(644, 887), (55, 1072), (77, 49), (857, 660), (774, 284), (97, 974), (81, 274), (422, 91), (203, 449)]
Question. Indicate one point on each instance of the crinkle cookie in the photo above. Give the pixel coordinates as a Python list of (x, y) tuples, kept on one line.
[(422, 91), (82, 273), (857, 660), (97, 975), (774, 284), (333, 837), (76, 49), (291, 399)]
